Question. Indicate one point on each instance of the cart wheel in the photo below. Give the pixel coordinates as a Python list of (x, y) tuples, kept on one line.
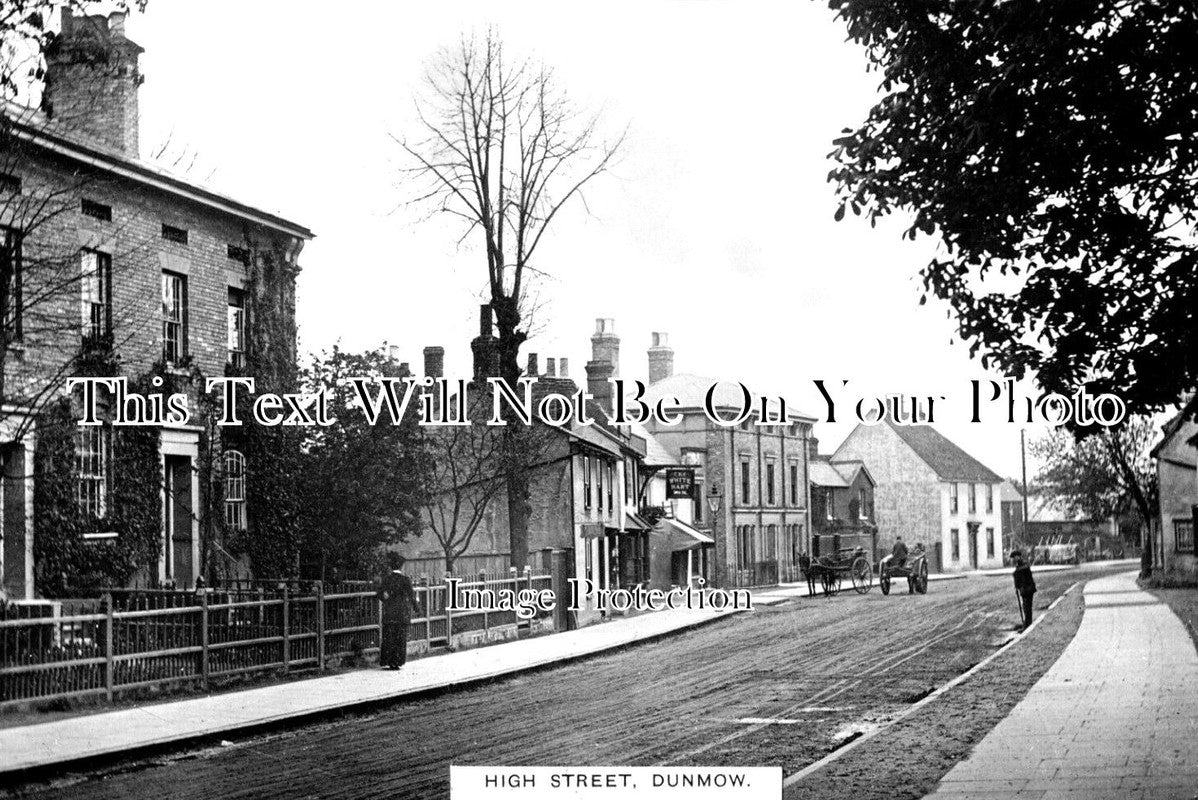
[(921, 582), (863, 575), (884, 582)]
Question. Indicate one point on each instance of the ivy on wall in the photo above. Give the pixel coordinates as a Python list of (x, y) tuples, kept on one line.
[(65, 562)]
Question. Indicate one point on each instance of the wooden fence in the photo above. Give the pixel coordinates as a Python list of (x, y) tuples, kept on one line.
[(135, 639)]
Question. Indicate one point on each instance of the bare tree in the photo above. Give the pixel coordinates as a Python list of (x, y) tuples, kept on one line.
[(503, 149), (469, 466)]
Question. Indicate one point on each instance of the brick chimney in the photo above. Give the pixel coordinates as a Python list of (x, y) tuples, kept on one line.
[(604, 363), (812, 448), (434, 362), (661, 358), (484, 347), (92, 79)]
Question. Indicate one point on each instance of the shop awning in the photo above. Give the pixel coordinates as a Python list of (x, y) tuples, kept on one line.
[(635, 522), (684, 537)]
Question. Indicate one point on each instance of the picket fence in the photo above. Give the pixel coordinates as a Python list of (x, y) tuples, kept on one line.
[(129, 640)]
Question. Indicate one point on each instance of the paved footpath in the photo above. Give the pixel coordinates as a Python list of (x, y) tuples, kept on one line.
[(51, 745), (54, 745), (1115, 717)]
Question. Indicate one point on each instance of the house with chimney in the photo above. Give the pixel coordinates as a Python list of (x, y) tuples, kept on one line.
[(752, 482), (587, 484), (930, 491), (111, 266), (842, 505)]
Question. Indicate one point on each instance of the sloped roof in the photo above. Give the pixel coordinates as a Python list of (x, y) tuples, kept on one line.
[(822, 473), (691, 392), (947, 460), (1008, 492), (33, 126), (1174, 425), (849, 468), (656, 454), (683, 536)]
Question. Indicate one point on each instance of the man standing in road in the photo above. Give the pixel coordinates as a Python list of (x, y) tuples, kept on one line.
[(398, 600), (899, 552), (1025, 587)]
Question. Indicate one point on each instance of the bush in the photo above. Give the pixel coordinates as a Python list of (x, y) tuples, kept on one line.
[(1171, 578)]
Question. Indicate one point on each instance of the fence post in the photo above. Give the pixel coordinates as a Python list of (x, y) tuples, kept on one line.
[(320, 625), (108, 661), (204, 639), (286, 631), (428, 612), (448, 620), (528, 586), (482, 579)]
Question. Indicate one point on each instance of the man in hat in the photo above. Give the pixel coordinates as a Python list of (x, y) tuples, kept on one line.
[(399, 599), (1025, 587)]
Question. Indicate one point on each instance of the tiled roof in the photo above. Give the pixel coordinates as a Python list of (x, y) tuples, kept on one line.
[(655, 454), (824, 474), (849, 469), (949, 461), (33, 126)]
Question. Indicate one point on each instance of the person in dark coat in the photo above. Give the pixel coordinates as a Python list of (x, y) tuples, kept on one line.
[(399, 600), (1025, 587)]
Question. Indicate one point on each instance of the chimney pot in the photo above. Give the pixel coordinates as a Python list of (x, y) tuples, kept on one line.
[(533, 366), (92, 58), (551, 368), (661, 358), (605, 344), (484, 321), (562, 363), (434, 362)]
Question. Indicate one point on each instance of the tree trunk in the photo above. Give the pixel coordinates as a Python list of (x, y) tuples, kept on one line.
[(510, 337), (1114, 447)]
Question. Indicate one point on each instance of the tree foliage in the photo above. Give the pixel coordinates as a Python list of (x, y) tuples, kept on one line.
[(358, 486), (1053, 149), (1102, 475), (26, 30)]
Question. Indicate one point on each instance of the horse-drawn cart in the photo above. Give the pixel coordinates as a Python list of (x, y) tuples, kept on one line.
[(830, 570), (915, 570)]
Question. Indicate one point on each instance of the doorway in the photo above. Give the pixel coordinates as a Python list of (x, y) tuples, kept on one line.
[(178, 517), (973, 544)]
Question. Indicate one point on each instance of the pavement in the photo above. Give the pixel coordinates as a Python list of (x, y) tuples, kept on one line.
[(1117, 712), (52, 746), (1115, 717)]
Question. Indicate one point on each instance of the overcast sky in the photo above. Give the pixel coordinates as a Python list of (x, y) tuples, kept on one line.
[(717, 226)]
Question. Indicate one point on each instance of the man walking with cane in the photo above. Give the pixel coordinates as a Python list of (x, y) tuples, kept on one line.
[(1025, 587)]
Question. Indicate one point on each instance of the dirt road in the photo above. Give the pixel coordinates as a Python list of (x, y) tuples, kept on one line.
[(783, 685)]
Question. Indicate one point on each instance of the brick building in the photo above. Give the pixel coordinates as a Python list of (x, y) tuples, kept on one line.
[(587, 483), (929, 490), (751, 481), (842, 506), (106, 253), (1177, 476)]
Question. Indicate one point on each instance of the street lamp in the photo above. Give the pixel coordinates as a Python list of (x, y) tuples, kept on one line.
[(714, 499)]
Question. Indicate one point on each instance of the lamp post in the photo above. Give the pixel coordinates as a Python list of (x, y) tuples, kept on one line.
[(714, 501)]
